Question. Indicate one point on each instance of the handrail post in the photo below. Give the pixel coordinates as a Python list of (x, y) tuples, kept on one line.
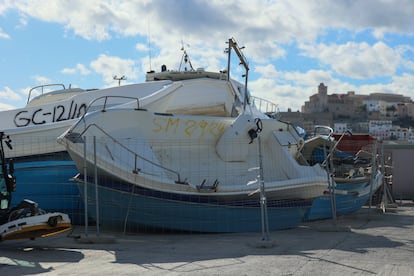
[(96, 186), (85, 188)]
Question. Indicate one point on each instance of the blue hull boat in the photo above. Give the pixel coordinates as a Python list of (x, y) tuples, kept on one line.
[(349, 198), (132, 208), (46, 180)]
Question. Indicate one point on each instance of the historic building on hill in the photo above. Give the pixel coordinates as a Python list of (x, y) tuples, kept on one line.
[(353, 106), (379, 113)]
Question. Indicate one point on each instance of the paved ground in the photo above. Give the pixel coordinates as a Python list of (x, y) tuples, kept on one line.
[(366, 243)]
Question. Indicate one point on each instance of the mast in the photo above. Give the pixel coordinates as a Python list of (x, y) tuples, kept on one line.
[(233, 45)]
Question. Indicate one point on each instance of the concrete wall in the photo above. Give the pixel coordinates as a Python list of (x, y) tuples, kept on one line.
[(401, 158)]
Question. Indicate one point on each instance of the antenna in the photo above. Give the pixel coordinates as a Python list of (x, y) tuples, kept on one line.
[(185, 58), (149, 45), (119, 79)]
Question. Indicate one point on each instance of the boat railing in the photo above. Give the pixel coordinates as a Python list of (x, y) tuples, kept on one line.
[(333, 149), (42, 87), (104, 106), (264, 105), (136, 155)]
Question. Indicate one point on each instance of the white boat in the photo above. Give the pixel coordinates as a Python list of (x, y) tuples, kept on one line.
[(205, 157), (31, 226), (35, 128)]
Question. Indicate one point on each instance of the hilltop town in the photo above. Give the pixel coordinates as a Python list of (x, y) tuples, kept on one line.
[(382, 115)]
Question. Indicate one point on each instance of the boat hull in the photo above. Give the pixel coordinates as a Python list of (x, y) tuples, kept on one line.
[(46, 180), (345, 204), (349, 198), (141, 209), (37, 226)]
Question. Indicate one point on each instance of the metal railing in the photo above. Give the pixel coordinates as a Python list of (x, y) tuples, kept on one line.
[(89, 107), (136, 155), (264, 105), (42, 89)]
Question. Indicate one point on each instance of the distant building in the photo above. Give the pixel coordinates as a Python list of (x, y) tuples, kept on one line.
[(342, 106), (341, 127), (402, 134), (375, 106), (380, 129), (373, 114)]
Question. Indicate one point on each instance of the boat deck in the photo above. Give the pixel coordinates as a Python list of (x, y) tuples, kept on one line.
[(367, 242)]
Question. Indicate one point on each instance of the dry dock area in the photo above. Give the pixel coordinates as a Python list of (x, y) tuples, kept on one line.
[(368, 242)]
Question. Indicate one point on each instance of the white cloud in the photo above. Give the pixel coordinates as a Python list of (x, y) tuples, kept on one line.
[(141, 47), (266, 28), (404, 84), (9, 95), (41, 79), (255, 21), (288, 89), (356, 60), (267, 71), (3, 34), (109, 66), (78, 69)]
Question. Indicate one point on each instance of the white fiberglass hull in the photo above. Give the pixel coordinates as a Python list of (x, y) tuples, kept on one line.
[(187, 155)]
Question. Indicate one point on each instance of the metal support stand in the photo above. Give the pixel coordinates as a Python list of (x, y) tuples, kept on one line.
[(99, 238), (331, 184), (263, 203), (373, 177), (330, 170), (96, 186), (85, 187)]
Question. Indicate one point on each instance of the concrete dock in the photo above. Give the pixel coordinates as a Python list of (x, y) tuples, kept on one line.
[(368, 242)]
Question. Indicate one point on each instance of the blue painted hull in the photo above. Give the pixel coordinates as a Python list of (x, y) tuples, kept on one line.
[(142, 210), (47, 182), (345, 204), (352, 187), (351, 199)]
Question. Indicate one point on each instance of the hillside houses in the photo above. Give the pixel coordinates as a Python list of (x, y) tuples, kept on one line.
[(383, 115)]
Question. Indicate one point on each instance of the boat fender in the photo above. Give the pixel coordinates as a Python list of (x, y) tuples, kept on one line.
[(254, 133)]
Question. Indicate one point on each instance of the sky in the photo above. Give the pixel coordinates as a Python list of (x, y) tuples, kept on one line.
[(292, 46)]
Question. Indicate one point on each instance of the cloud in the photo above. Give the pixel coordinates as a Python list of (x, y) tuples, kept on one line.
[(41, 79), (254, 21), (268, 29), (78, 69), (3, 35), (141, 47), (262, 26), (109, 66), (9, 95), (290, 89), (356, 60), (267, 71), (381, 16)]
